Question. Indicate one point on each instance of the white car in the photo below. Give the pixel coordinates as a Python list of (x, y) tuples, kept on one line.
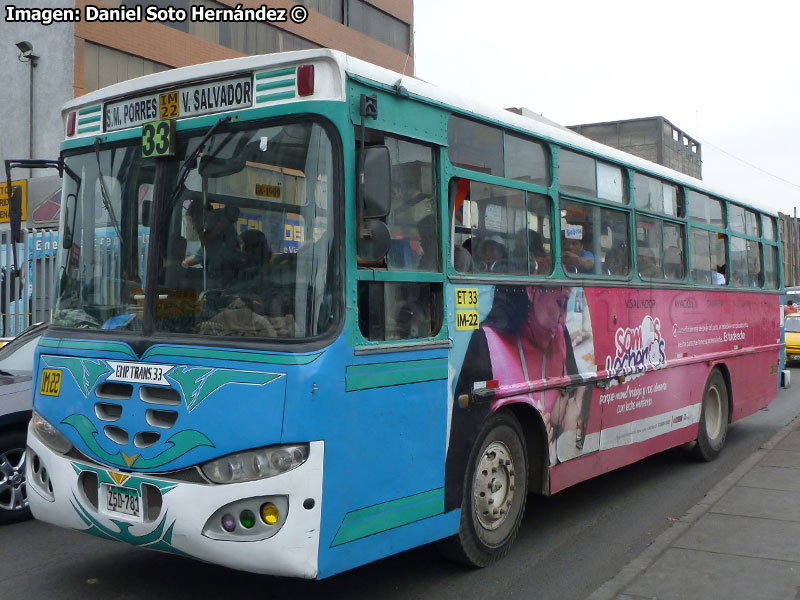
[(16, 399)]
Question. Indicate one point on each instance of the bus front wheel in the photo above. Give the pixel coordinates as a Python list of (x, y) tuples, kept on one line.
[(714, 411), (494, 495)]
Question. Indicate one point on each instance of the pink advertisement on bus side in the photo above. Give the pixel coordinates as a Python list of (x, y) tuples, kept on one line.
[(612, 367)]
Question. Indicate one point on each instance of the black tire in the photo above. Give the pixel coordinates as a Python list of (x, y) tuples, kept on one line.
[(714, 414), (494, 494), (13, 493)]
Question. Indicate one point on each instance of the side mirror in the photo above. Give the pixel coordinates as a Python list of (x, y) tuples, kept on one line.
[(15, 214), (375, 182), (66, 241), (374, 240)]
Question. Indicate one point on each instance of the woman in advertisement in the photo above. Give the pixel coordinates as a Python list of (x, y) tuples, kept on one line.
[(525, 338)]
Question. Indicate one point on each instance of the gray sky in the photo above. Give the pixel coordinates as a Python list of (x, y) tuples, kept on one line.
[(726, 73)]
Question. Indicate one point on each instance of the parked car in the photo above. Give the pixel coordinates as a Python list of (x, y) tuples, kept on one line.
[(16, 399), (791, 326)]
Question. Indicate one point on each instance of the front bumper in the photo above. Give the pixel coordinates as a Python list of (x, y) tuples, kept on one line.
[(177, 524)]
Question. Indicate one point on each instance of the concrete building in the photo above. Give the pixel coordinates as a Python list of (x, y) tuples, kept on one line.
[(652, 138), (78, 57)]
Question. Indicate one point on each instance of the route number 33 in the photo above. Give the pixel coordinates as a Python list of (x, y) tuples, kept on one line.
[(158, 139)]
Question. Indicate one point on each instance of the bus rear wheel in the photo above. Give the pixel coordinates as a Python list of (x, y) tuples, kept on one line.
[(714, 414), (494, 494)]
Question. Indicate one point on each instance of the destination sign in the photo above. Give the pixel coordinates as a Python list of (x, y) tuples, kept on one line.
[(180, 103)]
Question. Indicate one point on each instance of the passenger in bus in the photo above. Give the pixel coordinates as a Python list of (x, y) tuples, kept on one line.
[(673, 263), (429, 243), (257, 253), (219, 244), (539, 257), (488, 253), (719, 277), (616, 261), (648, 265), (574, 257)]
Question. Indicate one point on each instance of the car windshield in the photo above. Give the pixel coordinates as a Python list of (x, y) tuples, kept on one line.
[(245, 244), (792, 324)]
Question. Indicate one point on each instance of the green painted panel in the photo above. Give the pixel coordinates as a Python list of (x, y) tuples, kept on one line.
[(271, 85), (87, 120), (389, 515), (274, 97), (61, 344), (400, 114), (234, 355), (89, 110), (277, 73), (364, 377), (89, 129)]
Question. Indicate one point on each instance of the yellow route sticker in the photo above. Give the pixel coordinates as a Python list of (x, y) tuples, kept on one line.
[(466, 298), (51, 382), (466, 319), (168, 106)]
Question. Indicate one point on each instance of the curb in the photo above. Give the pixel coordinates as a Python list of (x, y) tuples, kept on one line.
[(615, 586)]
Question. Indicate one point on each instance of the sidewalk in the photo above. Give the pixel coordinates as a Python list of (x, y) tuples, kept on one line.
[(742, 541)]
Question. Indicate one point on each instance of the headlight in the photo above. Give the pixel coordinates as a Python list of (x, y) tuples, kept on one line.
[(52, 437), (256, 464)]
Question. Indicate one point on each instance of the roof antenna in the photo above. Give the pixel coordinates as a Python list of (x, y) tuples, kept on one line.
[(399, 88)]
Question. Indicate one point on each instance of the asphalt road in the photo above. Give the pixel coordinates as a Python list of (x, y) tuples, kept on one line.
[(568, 546)]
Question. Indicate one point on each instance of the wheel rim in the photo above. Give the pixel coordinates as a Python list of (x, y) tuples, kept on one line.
[(494, 486), (713, 412), (12, 480)]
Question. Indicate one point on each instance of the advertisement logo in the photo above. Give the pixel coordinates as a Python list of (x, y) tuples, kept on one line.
[(638, 350)]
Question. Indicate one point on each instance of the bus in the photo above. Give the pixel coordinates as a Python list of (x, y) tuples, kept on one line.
[(344, 313)]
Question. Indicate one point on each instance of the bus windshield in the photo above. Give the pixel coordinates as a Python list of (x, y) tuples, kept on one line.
[(244, 242)]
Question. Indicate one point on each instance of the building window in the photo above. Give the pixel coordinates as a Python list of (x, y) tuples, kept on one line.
[(333, 9), (378, 25), (103, 66)]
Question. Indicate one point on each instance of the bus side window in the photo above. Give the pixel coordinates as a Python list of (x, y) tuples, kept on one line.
[(405, 309), (389, 311), (709, 262)]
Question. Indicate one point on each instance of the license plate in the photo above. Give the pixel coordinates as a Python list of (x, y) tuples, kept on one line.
[(51, 382), (794, 357), (122, 500)]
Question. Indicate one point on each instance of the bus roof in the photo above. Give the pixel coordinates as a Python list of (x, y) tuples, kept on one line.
[(344, 64)]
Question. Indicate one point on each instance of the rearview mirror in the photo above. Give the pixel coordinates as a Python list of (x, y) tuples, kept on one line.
[(213, 167), (375, 182)]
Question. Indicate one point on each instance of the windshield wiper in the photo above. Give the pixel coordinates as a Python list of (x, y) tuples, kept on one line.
[(190, 161), (104, 192)]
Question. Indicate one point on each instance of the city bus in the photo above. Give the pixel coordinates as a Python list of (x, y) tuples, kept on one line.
[(344, 313)]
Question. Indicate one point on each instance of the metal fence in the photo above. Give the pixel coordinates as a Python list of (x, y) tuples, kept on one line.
[(26, 297)]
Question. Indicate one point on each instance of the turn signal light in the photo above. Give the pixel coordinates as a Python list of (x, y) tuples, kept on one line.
[(270, 513), (305, 80)]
